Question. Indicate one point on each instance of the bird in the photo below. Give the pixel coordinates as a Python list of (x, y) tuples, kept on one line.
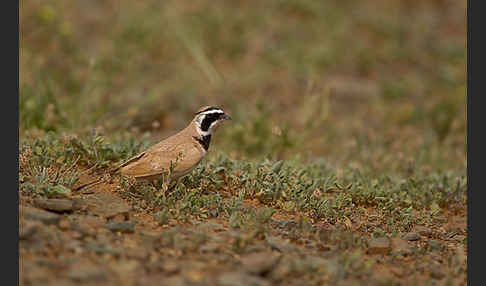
[(177, 155)]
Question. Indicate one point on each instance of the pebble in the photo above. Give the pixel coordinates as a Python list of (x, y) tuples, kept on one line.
[(240, 279), (85, 272), (279, 244), (170, 267), (379, 245), (106, 205), (435, 272), (56, 205), (422, 230), (121, 226), (27, 230), (412, 236), (210, 227), (64, 224), (459, 237), (259, 263), (401, 247), (433, 245), (43, 216)]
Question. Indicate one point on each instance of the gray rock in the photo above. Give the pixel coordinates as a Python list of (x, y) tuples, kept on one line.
[(379, 245), (285, 224), (433, 245), (106, 205), (281, 270), (279, 244), (121, 226), (422, 230), (27, 230), (210, 247), (86, 272), (436, 272), (412, 236), (459, 237), (56, 205), (210, 227), (259, 263), (43, 216), (100, 248), (240, 279), (176, 281), (401, 247), (125, 268)]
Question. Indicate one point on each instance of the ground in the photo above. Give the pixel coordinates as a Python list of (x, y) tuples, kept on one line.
[(220, 228)]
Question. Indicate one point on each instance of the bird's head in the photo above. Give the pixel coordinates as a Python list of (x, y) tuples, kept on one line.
[(208, 118)]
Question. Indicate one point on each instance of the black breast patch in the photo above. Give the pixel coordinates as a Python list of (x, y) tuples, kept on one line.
[(204, 141)]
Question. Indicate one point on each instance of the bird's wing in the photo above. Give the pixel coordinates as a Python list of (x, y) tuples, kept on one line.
[(157, 161)]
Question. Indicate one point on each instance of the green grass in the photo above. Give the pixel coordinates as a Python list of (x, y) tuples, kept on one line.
[(291, 186)]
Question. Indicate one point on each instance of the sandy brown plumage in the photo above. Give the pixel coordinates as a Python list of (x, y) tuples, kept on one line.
[(183, 151)]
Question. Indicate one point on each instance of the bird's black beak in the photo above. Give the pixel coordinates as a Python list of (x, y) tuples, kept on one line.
[(226, 116)]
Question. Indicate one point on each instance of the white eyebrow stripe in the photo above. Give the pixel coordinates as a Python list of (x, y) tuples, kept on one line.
[(212, 111)]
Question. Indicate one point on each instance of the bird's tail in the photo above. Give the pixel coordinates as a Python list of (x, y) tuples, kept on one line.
[(108, 174), (106, 177), (92, 183)]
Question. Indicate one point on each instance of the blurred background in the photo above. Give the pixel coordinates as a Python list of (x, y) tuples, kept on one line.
[(377, 84)]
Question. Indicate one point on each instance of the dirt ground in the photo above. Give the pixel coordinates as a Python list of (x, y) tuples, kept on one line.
[(102, 236)]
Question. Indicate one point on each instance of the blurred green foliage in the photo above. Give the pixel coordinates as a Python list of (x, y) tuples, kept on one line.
[(376, 83)]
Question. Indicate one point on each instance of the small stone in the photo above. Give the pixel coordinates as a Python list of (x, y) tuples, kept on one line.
[(76, 234), (433, 245), (137, 253), (279, 272), (397, 271), (285, 224), (459, 237), (210, 227), (101, 249), (85, 272), (64, 224), (27, 230), (412, 236), (401, 247), (106, 205), (119, 217), (422, 230), (94, 221), (279, 244), (56, 205), (210, 247), (176, 281), (170, 267), (193, 276), (84, 229), (379, 245), (121, 226), (441, 218), (43, 216), (240, 279), (259, 263), (125, 268), (79, 204), (435, 272)]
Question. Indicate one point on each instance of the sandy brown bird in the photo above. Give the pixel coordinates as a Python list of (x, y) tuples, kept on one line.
[(183, 150)]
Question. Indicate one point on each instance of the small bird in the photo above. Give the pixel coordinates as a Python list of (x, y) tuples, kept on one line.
[(181, 152)]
